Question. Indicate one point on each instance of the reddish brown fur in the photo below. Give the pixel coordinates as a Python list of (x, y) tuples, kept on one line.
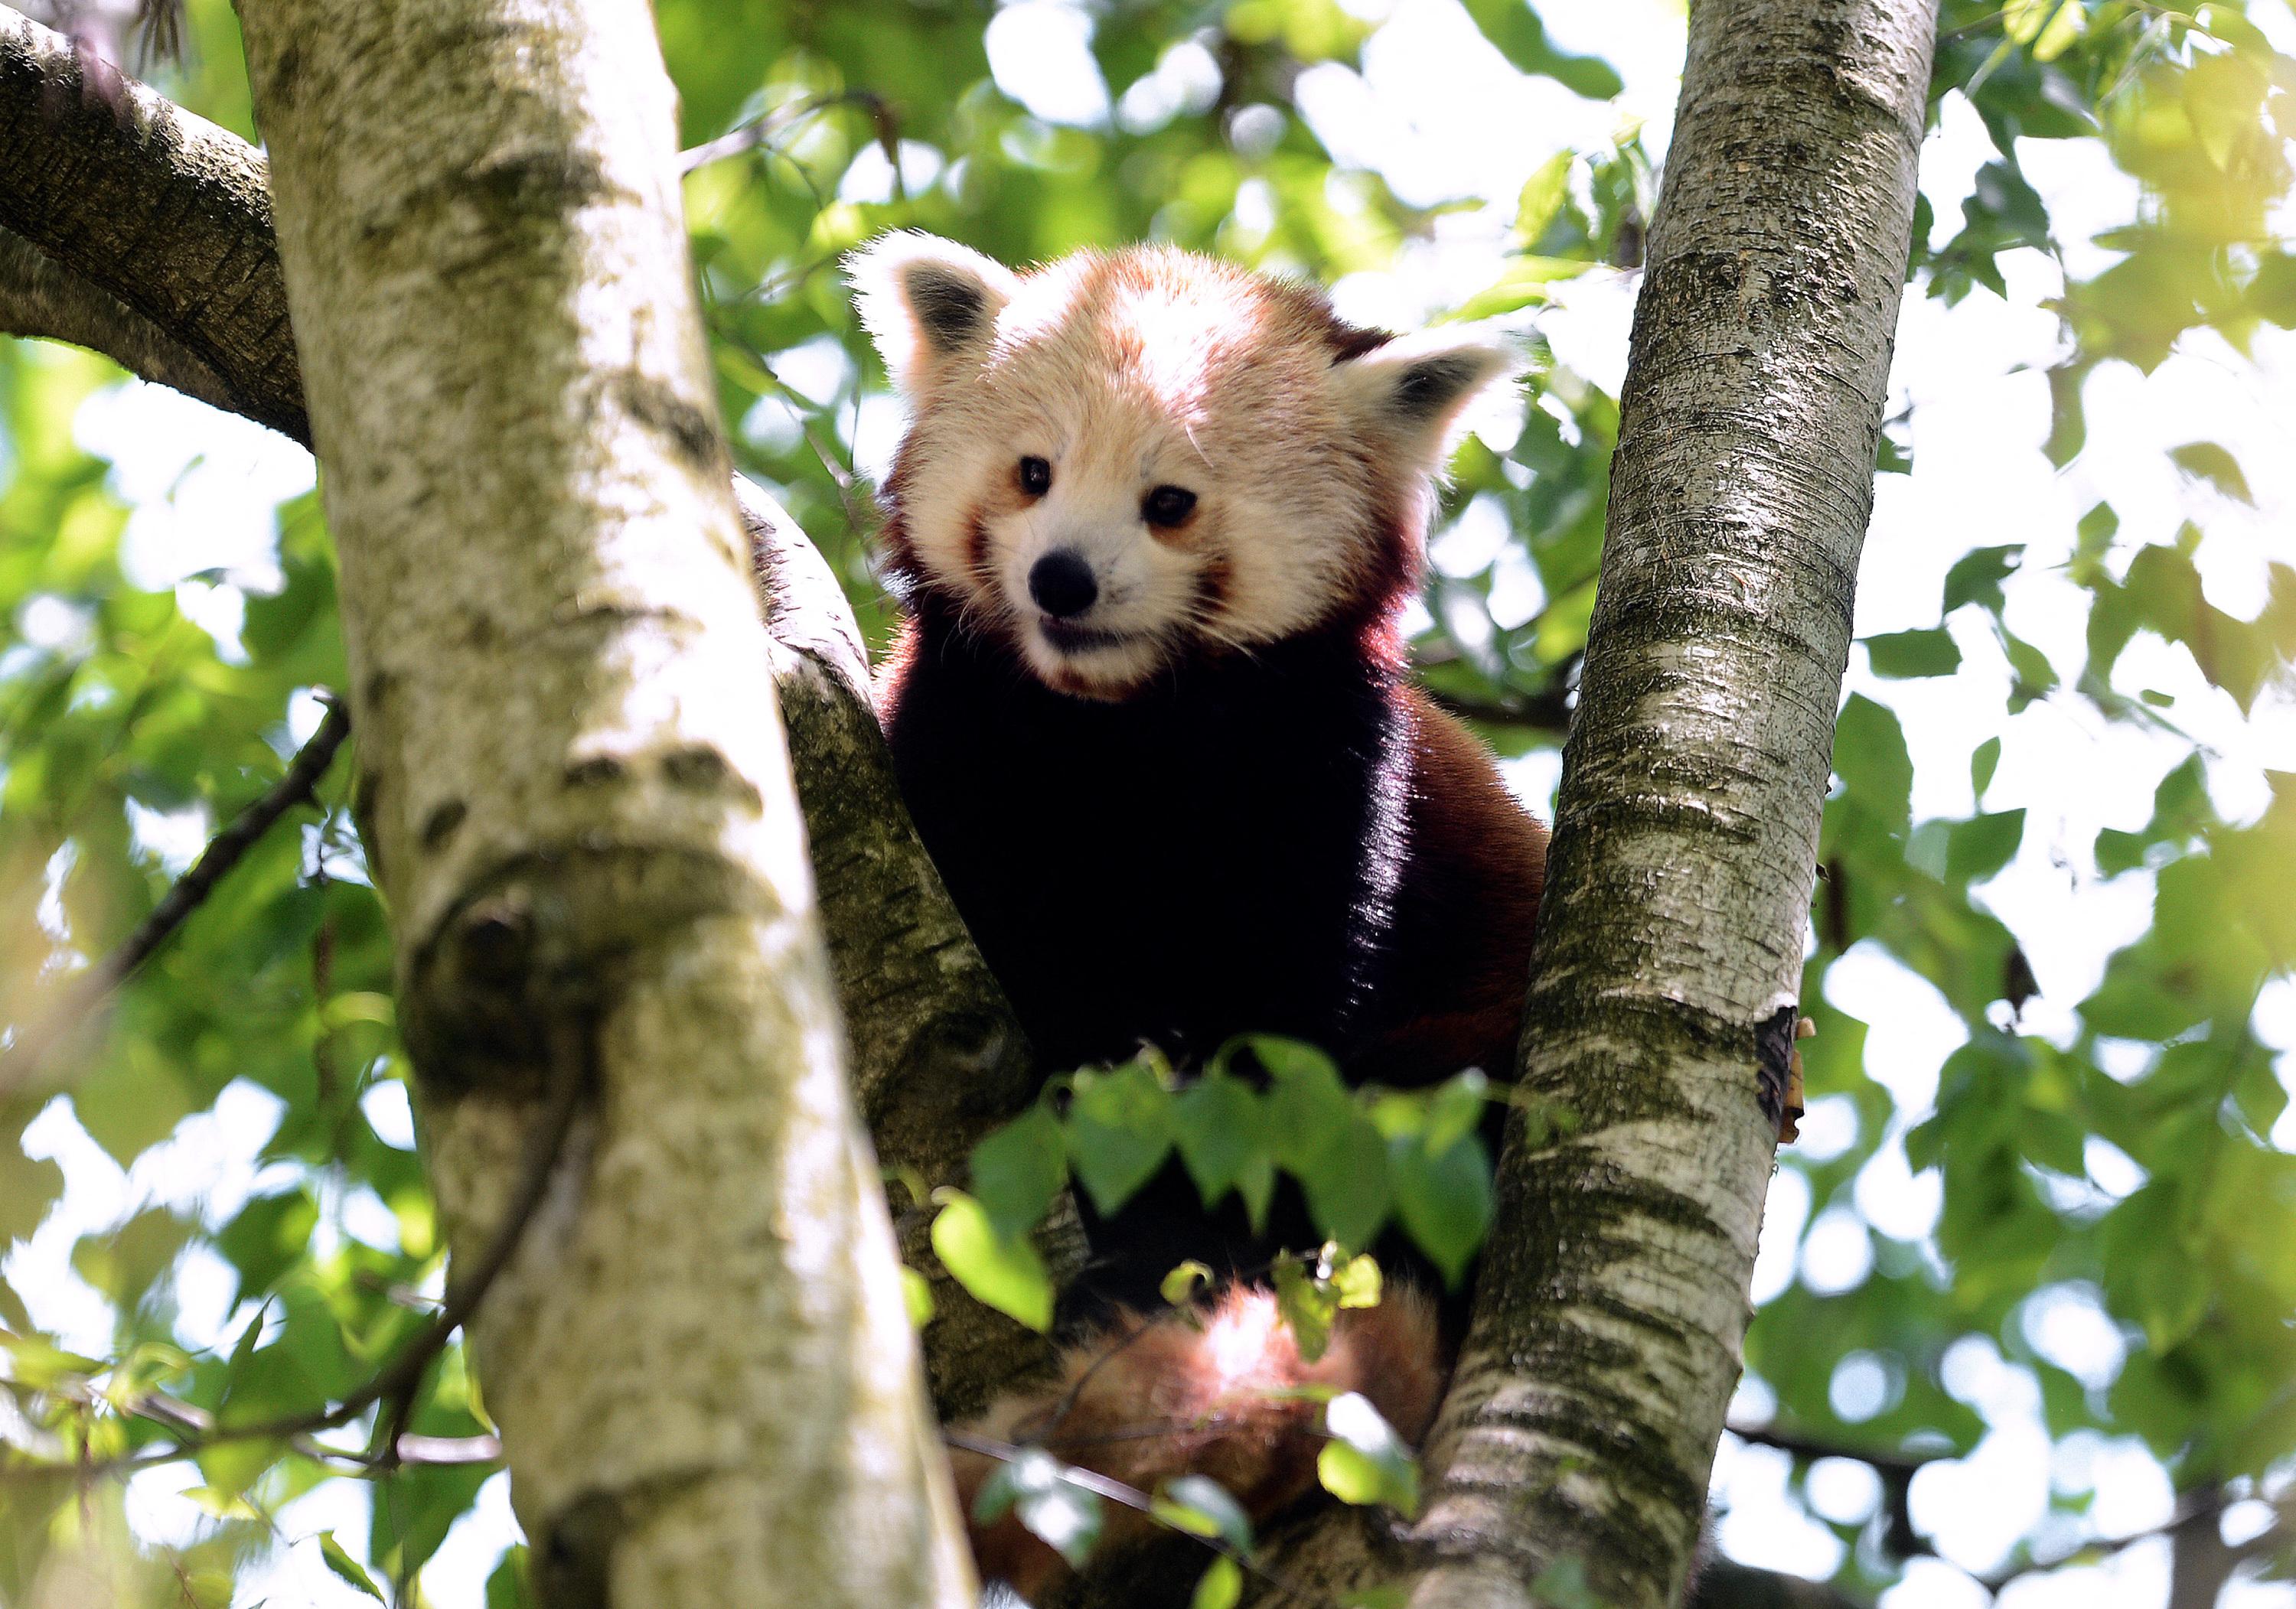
[(1205, 1392), (1463, 921)]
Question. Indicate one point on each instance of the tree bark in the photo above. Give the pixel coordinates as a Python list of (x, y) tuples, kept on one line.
[(1612, 1305), (80, 146), (1613, 1302), (936, 1055), (572, 783), (38, 295)]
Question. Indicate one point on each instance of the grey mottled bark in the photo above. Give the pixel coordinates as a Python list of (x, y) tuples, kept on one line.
[(38, 295), (1612, 1305), (575, 793), (80, 147)]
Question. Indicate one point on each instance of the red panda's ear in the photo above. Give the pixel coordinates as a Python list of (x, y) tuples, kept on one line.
[(1413, 391), (927, 302)]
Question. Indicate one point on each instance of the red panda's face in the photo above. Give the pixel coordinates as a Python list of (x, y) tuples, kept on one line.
[(1120, 463)]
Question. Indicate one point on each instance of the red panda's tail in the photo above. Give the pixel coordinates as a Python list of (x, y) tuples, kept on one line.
[(1147, 1400)]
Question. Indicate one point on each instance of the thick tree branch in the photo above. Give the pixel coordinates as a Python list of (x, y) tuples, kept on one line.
[(1613, 1302), (39, 296), (158, 208)]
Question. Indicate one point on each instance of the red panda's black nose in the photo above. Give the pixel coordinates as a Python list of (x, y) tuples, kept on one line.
[(1062, 584)]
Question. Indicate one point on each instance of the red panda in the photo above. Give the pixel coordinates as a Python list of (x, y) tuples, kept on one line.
[(1156, 518)]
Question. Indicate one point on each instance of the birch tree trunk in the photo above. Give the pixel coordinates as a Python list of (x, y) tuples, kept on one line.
[(1612, 1305), (1613, 1302), (573, 785)]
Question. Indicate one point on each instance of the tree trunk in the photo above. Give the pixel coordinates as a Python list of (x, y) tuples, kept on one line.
[(574, 791), (1611, 1305)]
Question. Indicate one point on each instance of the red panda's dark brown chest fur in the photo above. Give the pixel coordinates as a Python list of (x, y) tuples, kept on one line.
[(1293, 841)]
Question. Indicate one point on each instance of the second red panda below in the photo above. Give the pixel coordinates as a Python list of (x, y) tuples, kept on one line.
[(1156, 518)]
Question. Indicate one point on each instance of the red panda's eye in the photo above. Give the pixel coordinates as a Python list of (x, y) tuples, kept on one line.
[(1168, 505), (1036, 477)]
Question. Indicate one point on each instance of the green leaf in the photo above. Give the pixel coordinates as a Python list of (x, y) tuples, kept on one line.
[(2063, 28), (1220, 1587), (1542, 197), (2035, 676), (1306, 1306), (1180, 1286), (1217, 1122), (1457, 1109), (1976, 577), (1018, 1169), (132, 1102), (1033, 1486), (270, 1234), (1201, 1507), (1982, 845), (1925, 653), (1357, 1282), (232, 1466), (506, 1586), (1445, 1200), (1983, 761), (125, 1262), (1524, 281), (347, 1567), (28, 1188), (2093, 541), (1326, 1140), (2150, 1271), (2206, 460), (2022, 20), (1006, 1274), (1067, 1519), (1366, 1463), (1513, 26), (1119, 1131), (40, 1364), (916, 1297), (1870, 756)]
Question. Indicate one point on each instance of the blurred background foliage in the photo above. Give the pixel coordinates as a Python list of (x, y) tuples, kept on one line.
[(2083, 1241)]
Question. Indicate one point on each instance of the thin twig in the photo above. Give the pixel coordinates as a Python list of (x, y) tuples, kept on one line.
[(1810, 1450), (1543, 711), (757, 131), (87, 992), (573, 1054), (572, 1070), (1132, 1498), (2191, 1507)]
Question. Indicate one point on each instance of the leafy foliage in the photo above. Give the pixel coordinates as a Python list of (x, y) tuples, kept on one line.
[(1360, 1157)]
